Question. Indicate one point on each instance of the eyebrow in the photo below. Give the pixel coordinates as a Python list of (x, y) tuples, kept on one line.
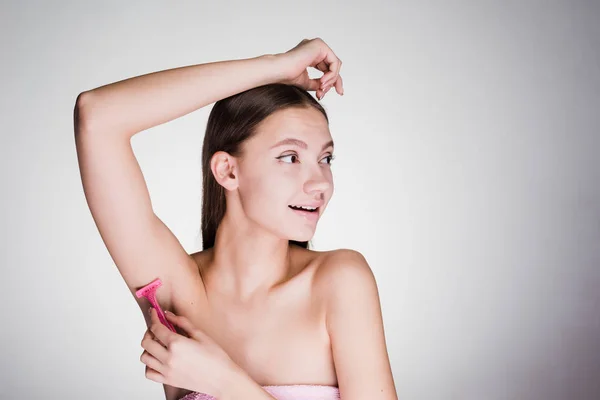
[(299, 143)]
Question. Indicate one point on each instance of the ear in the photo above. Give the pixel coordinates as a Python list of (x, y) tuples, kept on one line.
[(224, 168)]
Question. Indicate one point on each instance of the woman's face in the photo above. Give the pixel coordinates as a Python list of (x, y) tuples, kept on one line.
[(287, 163)]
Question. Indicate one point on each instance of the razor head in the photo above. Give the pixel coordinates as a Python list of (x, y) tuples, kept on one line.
[(149, 288)]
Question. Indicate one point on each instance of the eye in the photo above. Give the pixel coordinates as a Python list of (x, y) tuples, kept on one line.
[(286, 156), (331, 157)]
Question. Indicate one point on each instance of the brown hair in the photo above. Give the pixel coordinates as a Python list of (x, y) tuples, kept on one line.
[(232, 121)]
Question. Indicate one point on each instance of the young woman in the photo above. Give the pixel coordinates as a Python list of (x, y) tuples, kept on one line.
[(258, 314)]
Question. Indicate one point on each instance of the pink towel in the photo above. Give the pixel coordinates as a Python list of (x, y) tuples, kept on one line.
[(286, 392)]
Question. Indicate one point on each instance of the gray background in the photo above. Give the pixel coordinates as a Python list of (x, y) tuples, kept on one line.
[(466, 173)]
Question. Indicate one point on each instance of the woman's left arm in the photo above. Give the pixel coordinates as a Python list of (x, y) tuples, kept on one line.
[(193, 361), (355, 325)]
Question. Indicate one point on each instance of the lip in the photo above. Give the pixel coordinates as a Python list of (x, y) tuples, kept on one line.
[(311, 216), (314, 204)]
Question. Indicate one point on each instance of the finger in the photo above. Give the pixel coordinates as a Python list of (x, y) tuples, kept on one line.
[(151, 362), (150, 335), (154, 375), (324, 90), (313, 85), (185, 324), (156, 349), (320, 93), (321, 66), (161, 332), (334, 67), (339, 85)]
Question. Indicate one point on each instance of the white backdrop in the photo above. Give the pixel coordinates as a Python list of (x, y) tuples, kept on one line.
[(466, 173)]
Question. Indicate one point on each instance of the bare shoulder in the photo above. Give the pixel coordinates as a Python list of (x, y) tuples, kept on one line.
[(342, 267), (344, 275)]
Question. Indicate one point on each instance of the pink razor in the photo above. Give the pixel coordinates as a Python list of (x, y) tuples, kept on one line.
[(149, 292)]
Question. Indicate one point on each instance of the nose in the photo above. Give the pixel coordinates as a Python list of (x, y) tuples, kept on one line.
[(318, 181)]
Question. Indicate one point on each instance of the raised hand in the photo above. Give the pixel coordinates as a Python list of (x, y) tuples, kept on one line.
[(317, 54)]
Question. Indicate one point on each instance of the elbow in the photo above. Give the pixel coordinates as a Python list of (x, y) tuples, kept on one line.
[(81, 113)]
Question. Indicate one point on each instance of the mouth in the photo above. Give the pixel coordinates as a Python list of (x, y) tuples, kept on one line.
[(311, 213), (302, 208)]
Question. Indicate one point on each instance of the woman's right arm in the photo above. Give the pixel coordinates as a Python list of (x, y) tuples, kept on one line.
[(133, 105), (141, 245)]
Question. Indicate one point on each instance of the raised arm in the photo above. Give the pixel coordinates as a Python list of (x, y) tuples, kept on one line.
[(141, 245), (106, 118), (132, 105)]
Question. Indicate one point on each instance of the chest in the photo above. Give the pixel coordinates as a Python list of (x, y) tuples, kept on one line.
[(280, 341)]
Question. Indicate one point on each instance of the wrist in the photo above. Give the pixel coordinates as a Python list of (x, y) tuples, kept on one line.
[(277, 64)]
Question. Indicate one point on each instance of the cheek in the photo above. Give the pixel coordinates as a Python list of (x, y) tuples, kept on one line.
[(265, 190)]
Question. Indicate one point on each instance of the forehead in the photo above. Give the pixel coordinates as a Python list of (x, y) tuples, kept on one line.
[(307, 124)]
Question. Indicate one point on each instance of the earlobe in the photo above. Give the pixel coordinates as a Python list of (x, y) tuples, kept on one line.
[(222, 165)]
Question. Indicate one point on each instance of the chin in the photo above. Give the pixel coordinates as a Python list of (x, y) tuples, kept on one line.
[(301, 235)]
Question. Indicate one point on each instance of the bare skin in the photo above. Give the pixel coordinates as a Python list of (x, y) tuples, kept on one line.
[(277, 337), (284, 315)]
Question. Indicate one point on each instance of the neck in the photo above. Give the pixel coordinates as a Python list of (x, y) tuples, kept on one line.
[(247, 261)]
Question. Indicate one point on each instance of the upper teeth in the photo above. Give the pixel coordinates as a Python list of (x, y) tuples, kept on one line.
[(306, 208)]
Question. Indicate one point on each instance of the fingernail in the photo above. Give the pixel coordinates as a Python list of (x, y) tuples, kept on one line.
[(168, 312)]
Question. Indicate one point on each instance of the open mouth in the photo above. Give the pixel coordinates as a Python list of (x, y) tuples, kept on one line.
[(305, 209)]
